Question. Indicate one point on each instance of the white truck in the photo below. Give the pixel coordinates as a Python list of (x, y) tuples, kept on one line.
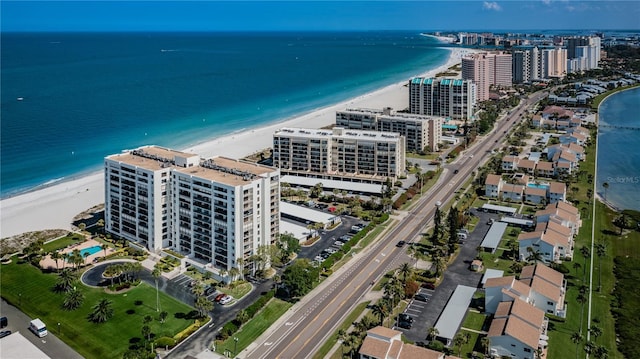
[(38, 327)]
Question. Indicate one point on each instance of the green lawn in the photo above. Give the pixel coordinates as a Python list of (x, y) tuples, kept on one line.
[(26, 287), (238, 291), (62, 242), (474, 320), (251, 330)]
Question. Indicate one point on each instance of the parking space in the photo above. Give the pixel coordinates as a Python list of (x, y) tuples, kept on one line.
[(332, 239)]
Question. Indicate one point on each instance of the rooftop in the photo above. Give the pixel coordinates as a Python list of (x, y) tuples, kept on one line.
[(455, 310), (226, 170)]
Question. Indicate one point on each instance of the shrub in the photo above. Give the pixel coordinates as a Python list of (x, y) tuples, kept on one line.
[(165, 342), (188, 331), (228, 330), (411, 288)]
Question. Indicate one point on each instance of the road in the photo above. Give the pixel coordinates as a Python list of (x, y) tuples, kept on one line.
[(308, 325)]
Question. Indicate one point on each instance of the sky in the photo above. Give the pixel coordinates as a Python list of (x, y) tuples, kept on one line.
[(425, 15)]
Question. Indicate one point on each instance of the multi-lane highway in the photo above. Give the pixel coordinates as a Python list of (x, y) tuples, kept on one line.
[(308, 324)]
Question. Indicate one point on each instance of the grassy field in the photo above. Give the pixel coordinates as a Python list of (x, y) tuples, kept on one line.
[(251, 330), (27, 288), (474, 320), (62, 242)]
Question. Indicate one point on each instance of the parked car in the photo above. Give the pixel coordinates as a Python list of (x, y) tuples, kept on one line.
[(210, 290), (219, 297), (339, 244), (226, 299), (404, 317), (428, 285), (4, 333), (421, 297), (404, 325)]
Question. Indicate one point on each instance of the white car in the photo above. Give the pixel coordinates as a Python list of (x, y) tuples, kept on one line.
[(226, 300)]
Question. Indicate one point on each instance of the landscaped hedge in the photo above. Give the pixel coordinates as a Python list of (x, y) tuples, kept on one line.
[(165, 342), (259, 304), (188, 331)]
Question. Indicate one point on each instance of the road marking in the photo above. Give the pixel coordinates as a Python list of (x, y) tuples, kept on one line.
[(268, 343), (288, 323)]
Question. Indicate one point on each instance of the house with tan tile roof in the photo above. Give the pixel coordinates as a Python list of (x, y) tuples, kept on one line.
[(512, 192), (527, 166), (546, 296), (581, 130), (557, 192), (562, 213), (545, 169), (492, 185), (513, 337), (385, 343), (510, 163), (552, 246), (535, 195), (502, 289)]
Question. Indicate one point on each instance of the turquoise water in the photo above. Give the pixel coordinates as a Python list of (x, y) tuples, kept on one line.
[(619, 149), (90, 250), (535, 185), (86, 96)]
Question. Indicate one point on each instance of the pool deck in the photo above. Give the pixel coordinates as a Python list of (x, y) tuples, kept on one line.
[(48, 263)]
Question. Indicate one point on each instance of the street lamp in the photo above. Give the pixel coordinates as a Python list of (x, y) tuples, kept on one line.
[(235, 346)]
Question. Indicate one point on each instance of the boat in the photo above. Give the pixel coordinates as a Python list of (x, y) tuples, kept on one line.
[(20, 98)]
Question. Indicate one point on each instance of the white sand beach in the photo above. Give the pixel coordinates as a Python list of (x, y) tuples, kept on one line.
[(55, 207)]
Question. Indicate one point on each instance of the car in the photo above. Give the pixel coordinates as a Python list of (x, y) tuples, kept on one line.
[(219, 297), (400, 244), (210, 290), (5, 333), (455, 172), (226, 300), (339, 244), (428, 285), (404, 317), (404, 325), (318, 259), (421, 297)]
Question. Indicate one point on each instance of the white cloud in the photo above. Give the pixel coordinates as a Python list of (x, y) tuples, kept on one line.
[(491, 6)]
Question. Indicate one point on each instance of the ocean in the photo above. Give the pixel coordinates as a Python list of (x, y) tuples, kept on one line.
[(70, 99), (619, 149)]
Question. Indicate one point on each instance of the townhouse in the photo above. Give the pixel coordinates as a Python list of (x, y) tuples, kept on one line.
[(517, 330), (385, 343)]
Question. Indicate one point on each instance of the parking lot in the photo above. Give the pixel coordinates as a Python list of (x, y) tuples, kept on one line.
[(329, 239)]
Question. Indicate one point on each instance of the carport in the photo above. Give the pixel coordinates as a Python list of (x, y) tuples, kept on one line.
[(498, 209), (307, 215), (493, 237), (451, 317)]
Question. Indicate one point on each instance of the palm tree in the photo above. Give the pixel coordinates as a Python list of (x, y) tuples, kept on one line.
[(459, 340), (102, 311), (486, 344), (576, 337), (601, 352), (163, 316), (584, 250), (596, 331), (55, 256), (405, 270), (66, 278), (342, 337), (534, 255), (601, 251), (242, 316), (582, 299), (233, 272), (203, 305), (379, 310), (589, 347), (104, 247), (576, 266), (197, 289), (146, 332), (156, 274), (240, 263), (73, 300)]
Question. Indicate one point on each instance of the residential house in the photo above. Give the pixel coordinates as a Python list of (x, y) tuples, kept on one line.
[(548, 289), (557, 192), (566, 162), (517, 330), (492, 185), (527, 166), (562, 213), (385, 343), (511, 192), (552, 246), (510, 163), (500, 289), (545, 169), (535, 195)]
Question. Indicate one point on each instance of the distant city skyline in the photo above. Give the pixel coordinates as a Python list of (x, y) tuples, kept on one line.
[(318, 15)]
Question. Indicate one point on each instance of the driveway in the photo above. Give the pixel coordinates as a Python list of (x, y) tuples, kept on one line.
[(458, 273)]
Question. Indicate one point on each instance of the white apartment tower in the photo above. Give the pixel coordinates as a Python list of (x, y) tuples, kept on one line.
[(369, 156), (442, 97), (213, 211), (554, 63), (420, 132)]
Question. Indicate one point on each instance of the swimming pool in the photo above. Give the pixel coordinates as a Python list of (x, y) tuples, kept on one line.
[(535, 185), (90, 250)]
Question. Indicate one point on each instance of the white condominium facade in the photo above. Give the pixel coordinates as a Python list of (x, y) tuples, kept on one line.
[(420, 132), (368, 156), (213, 211), (554, 63), (442, 97)]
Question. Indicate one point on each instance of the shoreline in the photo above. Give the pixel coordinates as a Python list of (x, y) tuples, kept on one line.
[(55, 206)]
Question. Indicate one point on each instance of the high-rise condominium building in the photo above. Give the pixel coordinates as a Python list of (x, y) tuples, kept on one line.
[(213, 211), (367, 156), (442, 97), (487, 69), (421, 132), (554, 63)]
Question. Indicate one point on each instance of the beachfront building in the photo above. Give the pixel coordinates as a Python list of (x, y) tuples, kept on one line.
[(486, 70), (421, 133), (442, 97), (339, 153), (214, 211)]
